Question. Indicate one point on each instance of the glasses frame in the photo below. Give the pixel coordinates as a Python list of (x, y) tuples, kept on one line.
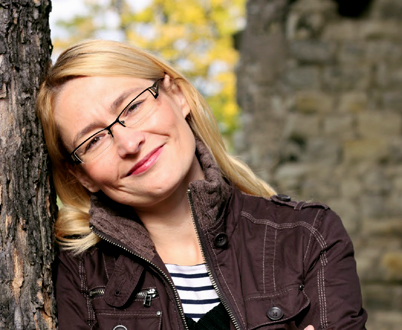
[(154, 90)]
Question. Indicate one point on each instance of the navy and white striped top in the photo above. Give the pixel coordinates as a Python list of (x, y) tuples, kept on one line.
[(195, 289)]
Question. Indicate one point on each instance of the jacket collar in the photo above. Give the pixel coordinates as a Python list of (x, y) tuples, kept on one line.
[(120, 225)]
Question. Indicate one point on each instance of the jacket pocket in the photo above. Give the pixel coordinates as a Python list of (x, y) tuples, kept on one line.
[(142, 311), (284, 309), (125, 320)]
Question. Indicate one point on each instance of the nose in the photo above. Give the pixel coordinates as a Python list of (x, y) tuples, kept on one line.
[(127, 141)]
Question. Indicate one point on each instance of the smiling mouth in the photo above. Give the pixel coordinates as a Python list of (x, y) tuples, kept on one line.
[(147, 162)]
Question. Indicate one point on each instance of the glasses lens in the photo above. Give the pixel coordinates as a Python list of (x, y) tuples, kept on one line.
[(138, 109), (94, 146)]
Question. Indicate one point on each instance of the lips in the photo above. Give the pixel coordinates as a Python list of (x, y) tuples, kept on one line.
[(147, 162)]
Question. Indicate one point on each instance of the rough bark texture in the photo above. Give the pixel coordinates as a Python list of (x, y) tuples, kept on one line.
[(27, 202)]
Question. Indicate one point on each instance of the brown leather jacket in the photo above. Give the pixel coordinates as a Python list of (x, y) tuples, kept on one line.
[(275, 263)]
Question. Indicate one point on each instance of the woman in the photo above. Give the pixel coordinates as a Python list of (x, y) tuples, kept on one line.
[(161, 228)]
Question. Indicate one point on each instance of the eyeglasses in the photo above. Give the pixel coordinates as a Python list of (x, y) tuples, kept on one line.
[(133, 114)]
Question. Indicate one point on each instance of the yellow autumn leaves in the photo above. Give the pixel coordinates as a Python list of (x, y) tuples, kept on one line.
[(195, 36)]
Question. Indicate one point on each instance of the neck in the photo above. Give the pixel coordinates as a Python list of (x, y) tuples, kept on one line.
[(171, 227)]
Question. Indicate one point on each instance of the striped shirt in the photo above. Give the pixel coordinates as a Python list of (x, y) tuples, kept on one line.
[(195, 289)]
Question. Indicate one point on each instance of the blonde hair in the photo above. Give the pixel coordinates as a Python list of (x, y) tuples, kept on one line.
[(109, 58)]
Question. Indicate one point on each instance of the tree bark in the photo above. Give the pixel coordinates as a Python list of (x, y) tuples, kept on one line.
[(27, 198)]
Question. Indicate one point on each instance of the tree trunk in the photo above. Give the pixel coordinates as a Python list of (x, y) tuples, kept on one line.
[(27, 198)]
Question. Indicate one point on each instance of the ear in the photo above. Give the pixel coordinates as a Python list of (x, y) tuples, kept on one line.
[(83, 178), (177, 94)]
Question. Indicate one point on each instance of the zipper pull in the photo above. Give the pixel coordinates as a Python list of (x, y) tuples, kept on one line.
[(96, 292), (149, 295)]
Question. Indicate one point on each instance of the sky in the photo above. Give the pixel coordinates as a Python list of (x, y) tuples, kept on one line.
[(66, 9), (63, 9)]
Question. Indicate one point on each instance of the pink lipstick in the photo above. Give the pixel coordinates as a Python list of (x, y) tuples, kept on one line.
[(147, 162)]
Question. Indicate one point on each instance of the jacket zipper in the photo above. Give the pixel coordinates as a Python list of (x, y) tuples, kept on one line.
[(146, 295), (207, 260), (96, 292), (173, 288)]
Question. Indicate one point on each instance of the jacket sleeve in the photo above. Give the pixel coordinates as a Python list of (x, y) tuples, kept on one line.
[(332, 278), (74, 308)]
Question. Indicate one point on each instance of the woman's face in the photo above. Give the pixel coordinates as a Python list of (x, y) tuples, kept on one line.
[(144, 166)]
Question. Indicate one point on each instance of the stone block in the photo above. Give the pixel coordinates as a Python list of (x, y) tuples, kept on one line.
[(301, 126), (382, 296), (383, 50), (393, 203), (392, 100), (387, 9), (376, 124), (373, 206), (367, 262), (381, 75), (344, 30), (352, 52), (323, 151), (397, 184), (382, 227), (348, 211), (353, 102), (351, 187), (384, 319), (313, 51), (393, 170), (308, 6), (379, 29), (367, 150), (305, 77), (291, 151), (312, 187), (374, 181), (313, 101), (392, 262), (346, 78), (340, 126), (395, 76), (290, 177), (362, 30), (302, 26), (389, 76)]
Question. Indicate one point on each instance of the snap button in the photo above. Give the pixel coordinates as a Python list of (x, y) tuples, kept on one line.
[(221, 240), (283, 198), (275, 313), (119, 327)]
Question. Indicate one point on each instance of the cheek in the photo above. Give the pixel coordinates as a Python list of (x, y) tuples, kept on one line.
[(170, 121), (103, 172)]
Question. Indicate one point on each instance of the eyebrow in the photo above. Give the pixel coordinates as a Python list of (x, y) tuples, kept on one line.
[(114, 106)]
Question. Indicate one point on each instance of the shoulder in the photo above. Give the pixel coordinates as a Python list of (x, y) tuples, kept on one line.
[(281, 211), (86, 267), (74, 262), (279, 204)]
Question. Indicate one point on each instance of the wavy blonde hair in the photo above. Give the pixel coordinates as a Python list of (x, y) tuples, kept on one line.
[(109, 58)]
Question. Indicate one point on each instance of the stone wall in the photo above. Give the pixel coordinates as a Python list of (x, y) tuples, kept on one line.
[(321, 95)]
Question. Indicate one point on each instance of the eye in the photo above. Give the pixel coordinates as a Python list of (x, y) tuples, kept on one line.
[(133, 107), (94, 142)]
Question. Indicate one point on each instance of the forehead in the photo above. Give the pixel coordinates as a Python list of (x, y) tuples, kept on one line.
[(89, 100), (101, 88)]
